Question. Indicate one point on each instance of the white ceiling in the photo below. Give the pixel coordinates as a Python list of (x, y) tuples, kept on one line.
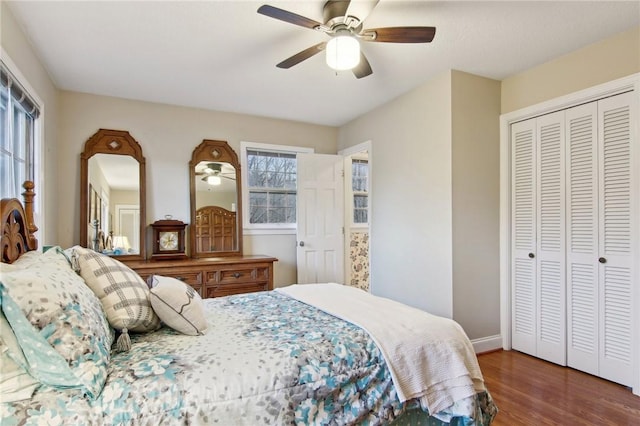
[(221, 55)]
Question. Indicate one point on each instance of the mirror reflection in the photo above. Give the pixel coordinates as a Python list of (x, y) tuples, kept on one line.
[(112, 195), (216, 204), (114, 204)]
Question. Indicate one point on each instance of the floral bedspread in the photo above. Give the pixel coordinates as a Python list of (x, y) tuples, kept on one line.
[(266, 359)]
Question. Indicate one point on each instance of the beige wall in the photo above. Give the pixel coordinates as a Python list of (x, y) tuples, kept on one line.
[(425, 181), (168, 134), (411, 195), (19, 51), (614, 57), (475, 106), (435, 198)]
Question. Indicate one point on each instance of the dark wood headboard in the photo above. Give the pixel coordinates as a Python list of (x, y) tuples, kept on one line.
[(18, 226)]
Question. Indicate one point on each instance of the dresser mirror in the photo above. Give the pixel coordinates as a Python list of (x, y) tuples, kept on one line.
[(216, 204), (112, 195)]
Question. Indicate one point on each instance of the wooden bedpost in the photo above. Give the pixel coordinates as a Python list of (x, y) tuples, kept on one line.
[(18, 225), (28, 195)]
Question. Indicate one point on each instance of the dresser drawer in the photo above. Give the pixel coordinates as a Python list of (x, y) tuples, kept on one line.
[(232, 276), (214, 277), (238, 288), (192, 278)]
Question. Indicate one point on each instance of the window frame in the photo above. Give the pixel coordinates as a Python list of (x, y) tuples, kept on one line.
[(353, 194), (264, 228), (39, 169)]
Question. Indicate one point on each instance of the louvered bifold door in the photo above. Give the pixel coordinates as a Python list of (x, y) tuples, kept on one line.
[(615, 243), (550, 252), (523, 232), (582, 237)]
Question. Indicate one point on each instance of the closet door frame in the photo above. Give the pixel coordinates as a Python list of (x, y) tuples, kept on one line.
[(626, 84)]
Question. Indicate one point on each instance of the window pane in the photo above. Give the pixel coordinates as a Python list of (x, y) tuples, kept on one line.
[(359, 216), (360, 186), (272, 184), (258, 207), (360, 201), (359, 173)]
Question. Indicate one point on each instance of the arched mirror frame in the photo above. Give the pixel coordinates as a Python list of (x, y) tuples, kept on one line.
[(119, 142), (214, 151)]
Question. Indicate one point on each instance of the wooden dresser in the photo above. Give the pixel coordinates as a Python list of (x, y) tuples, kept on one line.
[(215, 276)]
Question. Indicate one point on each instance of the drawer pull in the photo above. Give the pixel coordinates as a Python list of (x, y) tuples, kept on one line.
[(237, 275), (181, 278)]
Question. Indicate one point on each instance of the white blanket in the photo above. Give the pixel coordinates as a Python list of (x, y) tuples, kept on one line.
[(429, 357)]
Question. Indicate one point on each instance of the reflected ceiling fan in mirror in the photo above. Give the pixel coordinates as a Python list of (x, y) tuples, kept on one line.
[(343, 22), (213, 173)]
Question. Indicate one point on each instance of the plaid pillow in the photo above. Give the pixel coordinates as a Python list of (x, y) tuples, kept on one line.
[(124, 295)]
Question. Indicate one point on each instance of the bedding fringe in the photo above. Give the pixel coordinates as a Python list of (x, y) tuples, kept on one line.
[(123, 344)]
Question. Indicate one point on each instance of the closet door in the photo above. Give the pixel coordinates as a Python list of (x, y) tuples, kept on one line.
[(550, 238), (599, 232), (582, 238), (523, 221), (615, 248)]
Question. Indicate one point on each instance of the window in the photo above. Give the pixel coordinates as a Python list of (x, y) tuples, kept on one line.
[(360, 188), (18, 114), (271, 185)]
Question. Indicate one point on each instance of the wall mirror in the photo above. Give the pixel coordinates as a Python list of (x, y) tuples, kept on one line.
[(216, 204), (112, 195)]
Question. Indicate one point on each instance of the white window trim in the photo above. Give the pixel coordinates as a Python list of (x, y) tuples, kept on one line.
[(351, 152), (38, 150), (264, 228)]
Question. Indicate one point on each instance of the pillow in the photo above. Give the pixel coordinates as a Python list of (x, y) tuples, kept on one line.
[(56, 317), (178, 305), (124, 295), (16, 383)]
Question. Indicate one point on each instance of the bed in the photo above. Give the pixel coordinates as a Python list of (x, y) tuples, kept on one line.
[(298, 355)]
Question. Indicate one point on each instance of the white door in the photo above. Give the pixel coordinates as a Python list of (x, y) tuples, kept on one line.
[(523, 221), (320, 218), (128, 224), (550, 238), (616, 225), (582, 238)]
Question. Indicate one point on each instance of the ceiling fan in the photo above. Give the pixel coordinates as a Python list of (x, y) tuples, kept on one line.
[(343, 22), (212, 174)]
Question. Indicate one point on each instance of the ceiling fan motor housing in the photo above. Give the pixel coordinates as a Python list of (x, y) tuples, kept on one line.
[(334, 15)]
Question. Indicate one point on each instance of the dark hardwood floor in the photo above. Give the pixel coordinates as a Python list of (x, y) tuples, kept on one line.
[(529, 391)]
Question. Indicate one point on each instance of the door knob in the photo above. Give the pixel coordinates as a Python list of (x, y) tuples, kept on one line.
[(602, 260), (301, 243), (531, 255)]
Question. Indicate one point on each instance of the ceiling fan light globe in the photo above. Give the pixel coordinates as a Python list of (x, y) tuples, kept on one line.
[(214, 180), (343, 53)]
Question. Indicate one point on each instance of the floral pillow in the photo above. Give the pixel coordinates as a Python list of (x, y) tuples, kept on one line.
[(178, 305), (64, 314)]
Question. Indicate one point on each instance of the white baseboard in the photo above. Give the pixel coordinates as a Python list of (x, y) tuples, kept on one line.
[(486, 344)]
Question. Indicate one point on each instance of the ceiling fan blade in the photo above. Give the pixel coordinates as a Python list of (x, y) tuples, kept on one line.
[(399, 34), (363, 69), (286, 16), (301, 56), (361, 8)]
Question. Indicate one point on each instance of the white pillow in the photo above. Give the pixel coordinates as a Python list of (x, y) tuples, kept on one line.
[(178, 305)]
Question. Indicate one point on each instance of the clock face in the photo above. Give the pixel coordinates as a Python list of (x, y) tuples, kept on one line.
[(168, 241)]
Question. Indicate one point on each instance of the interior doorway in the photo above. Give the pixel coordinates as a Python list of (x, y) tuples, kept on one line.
[(357, 168)]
